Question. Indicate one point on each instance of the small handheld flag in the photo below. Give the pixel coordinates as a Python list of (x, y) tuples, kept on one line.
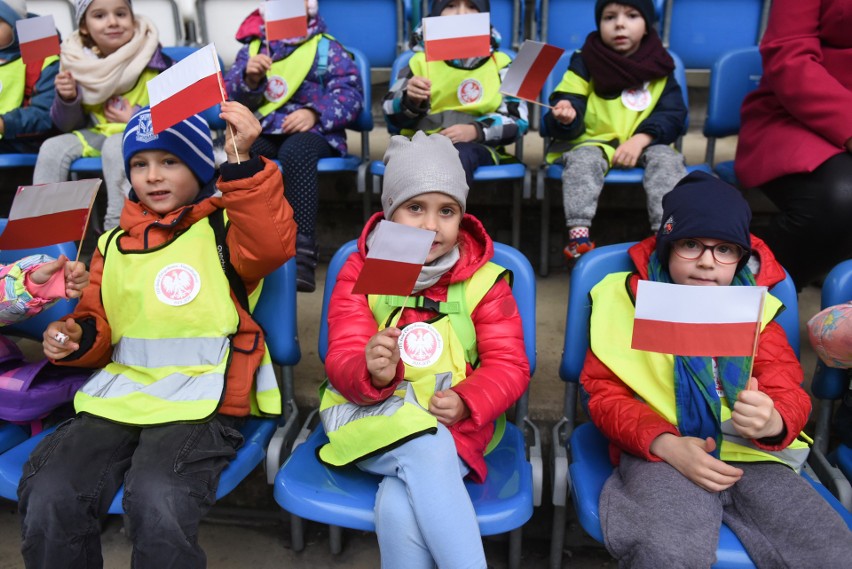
[(457, 37), (285, 19), (49, 213), (697, 320), (38, 39), (529, 70), (394, 260)]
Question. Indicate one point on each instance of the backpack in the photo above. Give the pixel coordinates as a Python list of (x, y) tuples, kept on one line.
[(29, 391)]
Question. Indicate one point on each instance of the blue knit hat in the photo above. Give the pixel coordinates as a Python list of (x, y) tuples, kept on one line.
[(701, 205), (189, 140)]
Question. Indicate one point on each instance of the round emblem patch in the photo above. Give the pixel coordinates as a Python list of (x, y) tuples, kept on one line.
[(276, 89), (177, 284), (636, 99), (469, 92), (420, 344)]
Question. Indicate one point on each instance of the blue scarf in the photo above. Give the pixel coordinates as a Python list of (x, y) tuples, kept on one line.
[(699, 410)]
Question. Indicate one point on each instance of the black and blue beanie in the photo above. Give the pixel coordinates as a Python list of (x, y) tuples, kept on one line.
[(439, 5), (701, 205), (189, 140), (645, 7)]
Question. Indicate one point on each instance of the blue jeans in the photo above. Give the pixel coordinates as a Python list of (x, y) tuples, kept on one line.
[(424, 515), (170, 473)]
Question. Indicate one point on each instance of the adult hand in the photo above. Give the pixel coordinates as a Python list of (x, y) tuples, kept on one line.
[(66, 86), (301, 120), (754, 415), (243, 130), (629, 151), (564, 112), (461, 133), (448, 407), (382, 354), (691, 457), (62, 338), (418, 89), (256, 69)]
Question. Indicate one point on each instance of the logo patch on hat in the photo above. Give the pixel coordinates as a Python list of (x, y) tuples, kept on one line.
[(668, 226), (177, 284), (276, 89), (420, 344), (469, 92), (145, 132)]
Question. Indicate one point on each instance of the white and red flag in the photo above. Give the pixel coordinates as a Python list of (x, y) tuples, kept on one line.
[(697, 320), (49, 213), (529, 70), (191, 85), (285, 19), (38, 39), (457, 37), (394, 260)]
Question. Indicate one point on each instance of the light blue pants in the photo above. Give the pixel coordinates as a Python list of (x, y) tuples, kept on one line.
[(424, 515)]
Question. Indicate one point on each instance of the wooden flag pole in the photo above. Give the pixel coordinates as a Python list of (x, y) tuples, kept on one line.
[(756, 335), (224, 100)]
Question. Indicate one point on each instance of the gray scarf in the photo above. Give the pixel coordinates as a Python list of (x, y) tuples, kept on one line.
[(432, 272)]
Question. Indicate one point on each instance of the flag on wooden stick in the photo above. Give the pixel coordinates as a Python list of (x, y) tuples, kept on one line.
[(529, 70), (457, 37), (394, 260), (285, 19), (38, 39)]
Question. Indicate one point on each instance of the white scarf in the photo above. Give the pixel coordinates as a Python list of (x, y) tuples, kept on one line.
[(98, 78)]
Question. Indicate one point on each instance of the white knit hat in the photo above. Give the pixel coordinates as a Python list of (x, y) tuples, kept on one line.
[(425, 163)]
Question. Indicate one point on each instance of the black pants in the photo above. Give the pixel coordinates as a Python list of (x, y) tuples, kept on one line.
[(813, 231), (472, 156)]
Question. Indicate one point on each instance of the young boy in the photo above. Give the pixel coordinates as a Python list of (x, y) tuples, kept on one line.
[(459, 98), (422, 419), (26, 92), (183, 361), (618, 106), (696, 440)]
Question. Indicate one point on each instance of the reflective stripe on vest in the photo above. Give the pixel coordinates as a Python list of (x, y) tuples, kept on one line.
[(136, 97), (171, 317), (13, 83), (458, 94), (285, 75), (650, 375), (356, 432), (608, 122)]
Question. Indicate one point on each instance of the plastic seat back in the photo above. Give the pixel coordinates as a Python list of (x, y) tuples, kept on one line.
[(376, 27), (61, 10), (166, 15)]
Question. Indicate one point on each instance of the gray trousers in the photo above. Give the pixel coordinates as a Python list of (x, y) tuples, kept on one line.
[(57, 153), (652, 516), (583, 180)]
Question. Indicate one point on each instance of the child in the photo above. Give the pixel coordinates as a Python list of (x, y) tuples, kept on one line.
[(31, 284), (459, 98), (106, 65), (423, 512), (618, 106), (305, 94), (183, 361), (830, 333), (697, 440), (26, 92)]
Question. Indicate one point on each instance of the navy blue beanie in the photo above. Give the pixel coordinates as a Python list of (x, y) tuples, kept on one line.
[(701, 205), (645, 7), (439, 5), (189, 140)]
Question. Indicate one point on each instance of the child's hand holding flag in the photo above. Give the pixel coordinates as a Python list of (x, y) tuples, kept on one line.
[(754, 415)]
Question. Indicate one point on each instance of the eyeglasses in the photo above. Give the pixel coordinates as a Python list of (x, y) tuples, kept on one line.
[(723, 253)]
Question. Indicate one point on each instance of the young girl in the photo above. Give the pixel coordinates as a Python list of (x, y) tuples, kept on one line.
[(305, 91), (105, 64), (459, 98), (423, 425)]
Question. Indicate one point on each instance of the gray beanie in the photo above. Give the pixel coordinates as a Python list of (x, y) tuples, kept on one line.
[(425, 163)]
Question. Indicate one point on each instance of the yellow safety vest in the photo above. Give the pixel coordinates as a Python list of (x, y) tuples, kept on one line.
[(650, 374), (609, 122), (458, 94), (13, 82), (285, 75), (356, 432), (172, 320)]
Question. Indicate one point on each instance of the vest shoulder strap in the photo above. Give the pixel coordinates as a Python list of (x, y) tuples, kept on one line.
[(322, 58), (220, 229)]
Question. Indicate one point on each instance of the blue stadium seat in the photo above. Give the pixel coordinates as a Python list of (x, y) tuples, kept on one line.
[(586, 447), (345, 497), (733, 76), (10, 436), (378, 28), (566, 23)]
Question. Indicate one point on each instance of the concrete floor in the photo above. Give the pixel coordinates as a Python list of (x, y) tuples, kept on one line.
[(232, 541)]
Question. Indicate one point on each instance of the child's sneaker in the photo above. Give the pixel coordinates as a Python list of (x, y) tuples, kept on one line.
[(577, 247)]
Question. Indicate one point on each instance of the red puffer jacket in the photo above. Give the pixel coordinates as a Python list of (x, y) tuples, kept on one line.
[(631, 425), (503, 373)]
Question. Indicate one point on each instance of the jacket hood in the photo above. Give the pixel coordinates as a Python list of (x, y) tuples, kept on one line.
[(769, 273), (475, 247)]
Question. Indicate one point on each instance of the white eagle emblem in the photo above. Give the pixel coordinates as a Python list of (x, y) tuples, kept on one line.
[(177, 284), (420, 344), (276, 89), (469, 92)]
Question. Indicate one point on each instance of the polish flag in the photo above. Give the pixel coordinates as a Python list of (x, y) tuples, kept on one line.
[(49, 213), (457, 37), (529, 70), (191, 85), (394, 260), (697, 320), (38, 39), (285, 19)]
